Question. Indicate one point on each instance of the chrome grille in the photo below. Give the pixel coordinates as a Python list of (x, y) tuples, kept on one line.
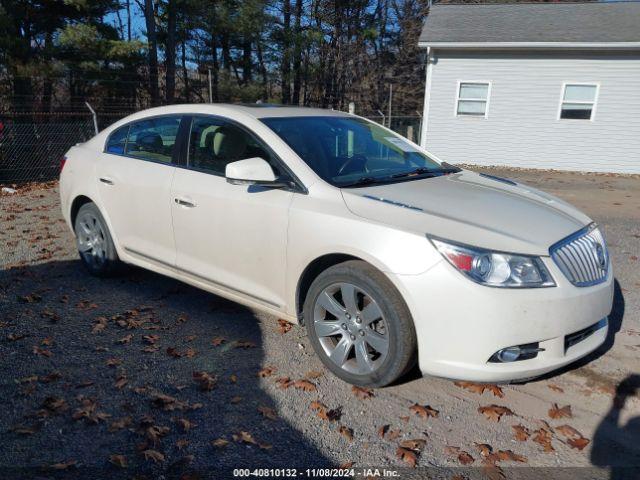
[(582, 257)]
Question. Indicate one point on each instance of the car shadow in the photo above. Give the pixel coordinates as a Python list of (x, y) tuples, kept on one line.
[(616, 446), (129, 346)]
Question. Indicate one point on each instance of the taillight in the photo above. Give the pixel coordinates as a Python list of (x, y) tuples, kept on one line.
[(63, 160)]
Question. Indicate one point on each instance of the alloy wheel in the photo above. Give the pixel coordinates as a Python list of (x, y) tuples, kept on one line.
[(351, 328), (92, 241)]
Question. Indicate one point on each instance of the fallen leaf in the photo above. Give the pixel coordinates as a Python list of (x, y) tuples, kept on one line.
[(236, 399), (508, 455), (479, 388), (150, 339), (154, 455), (268, 412), (484, 449), (205, 380), (521, 432), (542, 437), (362, 393), (305, 385), (494, 412), (185, 424), (220, 442), (284, 326), (63, 465), (425, 411), (244, 437), (323, 412), (266, 372), (578, 443), (284, 382), (167, 402), (465, 458), (113, 362), (311, 374), (121, 381), (415, 444), (126, 339), (346, 432), (55, 404), (120, 424), (118, 460), (382, 431), (451, 450), (181, 443), (555, 388), (408, 456), (568, 431), (217, 341), (556, 412), (243, 344)]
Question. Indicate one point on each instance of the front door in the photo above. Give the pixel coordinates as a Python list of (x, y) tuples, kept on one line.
[(230, 236), (134, 176)]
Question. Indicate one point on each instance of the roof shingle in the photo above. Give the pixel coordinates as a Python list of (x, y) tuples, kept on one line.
[(533, 22)]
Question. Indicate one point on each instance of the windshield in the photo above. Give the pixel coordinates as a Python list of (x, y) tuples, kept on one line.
[(348, 151)]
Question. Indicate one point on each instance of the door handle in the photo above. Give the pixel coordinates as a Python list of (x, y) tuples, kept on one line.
[(107, 180), (184, 203)]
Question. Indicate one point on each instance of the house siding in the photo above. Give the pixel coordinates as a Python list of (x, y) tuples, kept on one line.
[(522, 128)]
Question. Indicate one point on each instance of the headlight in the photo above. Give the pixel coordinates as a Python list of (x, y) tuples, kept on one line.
[(496, 269)]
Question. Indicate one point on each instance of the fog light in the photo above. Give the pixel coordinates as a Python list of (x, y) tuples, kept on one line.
[(510, 354), (517, 352)]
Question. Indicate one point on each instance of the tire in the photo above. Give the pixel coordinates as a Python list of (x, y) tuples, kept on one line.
[(95, 245), (342, 341)]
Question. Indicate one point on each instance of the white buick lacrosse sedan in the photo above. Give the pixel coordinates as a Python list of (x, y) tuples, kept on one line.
[(385, 254)]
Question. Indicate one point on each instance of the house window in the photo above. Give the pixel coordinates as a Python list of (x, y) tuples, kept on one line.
[(473, 98), (578, 101)]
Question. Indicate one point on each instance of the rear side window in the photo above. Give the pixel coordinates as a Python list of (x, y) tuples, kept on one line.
[(118, 140), (153, 139)]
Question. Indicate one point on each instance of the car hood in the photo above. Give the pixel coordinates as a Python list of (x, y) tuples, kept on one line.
[(471, 208)]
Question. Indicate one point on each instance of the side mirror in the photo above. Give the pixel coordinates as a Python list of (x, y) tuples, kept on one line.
[(252, 171)]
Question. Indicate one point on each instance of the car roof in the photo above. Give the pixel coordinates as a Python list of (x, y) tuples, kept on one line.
[(257, 110), (265, 110)]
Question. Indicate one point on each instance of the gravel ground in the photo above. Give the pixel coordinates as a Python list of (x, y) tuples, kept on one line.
[(104, 377)]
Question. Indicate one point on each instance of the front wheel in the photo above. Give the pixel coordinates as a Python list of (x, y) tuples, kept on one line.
[(95, 245), (359, 325)]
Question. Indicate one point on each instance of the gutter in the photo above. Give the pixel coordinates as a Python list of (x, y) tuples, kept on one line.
[(534, 45)]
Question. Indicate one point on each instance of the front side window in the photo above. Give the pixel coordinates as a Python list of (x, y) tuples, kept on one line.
[(117, 141), (472, 99), (347, 150), (153, 139), (578, 102), (214, 143)]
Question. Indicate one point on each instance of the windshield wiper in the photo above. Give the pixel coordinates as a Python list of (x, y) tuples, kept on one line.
[(428, 171), (362, 181)]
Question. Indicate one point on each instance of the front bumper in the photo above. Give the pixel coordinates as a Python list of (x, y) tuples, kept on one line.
[(460, 324)]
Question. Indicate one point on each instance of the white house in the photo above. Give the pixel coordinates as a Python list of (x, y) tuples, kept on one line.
[(545, 85)]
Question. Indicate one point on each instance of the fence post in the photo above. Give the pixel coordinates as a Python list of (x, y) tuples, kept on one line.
[(95, 117), (383, 117), (352, 108)]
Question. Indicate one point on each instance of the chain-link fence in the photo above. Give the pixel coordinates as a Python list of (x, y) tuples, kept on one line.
[(32, 144)]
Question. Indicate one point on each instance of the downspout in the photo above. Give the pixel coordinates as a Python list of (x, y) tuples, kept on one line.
[(427, 98)]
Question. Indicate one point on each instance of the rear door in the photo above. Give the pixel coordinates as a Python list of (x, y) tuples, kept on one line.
[(229, 236), (134, 177)]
